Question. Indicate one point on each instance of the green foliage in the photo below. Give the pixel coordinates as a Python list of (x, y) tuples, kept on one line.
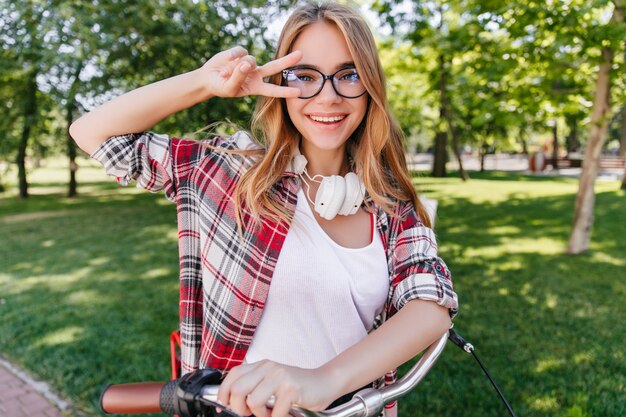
[(85, 52), (511, 68)]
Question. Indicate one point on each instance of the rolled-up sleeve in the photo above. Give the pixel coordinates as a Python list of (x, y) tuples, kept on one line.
[(141, 157), (417, 270)]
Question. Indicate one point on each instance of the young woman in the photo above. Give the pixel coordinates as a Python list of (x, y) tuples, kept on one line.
[(277, 289)]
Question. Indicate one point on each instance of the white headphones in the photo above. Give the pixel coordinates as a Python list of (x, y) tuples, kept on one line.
[(336, 194)]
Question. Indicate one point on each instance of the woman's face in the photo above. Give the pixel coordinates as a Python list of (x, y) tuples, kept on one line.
[(327, 120)]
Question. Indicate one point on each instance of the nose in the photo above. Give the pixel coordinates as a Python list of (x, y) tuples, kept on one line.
[(328, 93)]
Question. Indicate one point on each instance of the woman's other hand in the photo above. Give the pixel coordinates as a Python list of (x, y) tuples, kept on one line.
[(234, 73), (247, 389)]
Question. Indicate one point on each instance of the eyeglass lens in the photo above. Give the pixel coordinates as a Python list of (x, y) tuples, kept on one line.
[(310, 81)]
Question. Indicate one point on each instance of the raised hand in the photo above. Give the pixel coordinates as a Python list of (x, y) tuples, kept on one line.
[(234, 73)]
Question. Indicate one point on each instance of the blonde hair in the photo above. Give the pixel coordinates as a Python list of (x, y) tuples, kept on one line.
[(376, 146)]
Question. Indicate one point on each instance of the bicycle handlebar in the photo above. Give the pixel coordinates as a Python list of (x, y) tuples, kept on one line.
[(174, 397), (133, 398)]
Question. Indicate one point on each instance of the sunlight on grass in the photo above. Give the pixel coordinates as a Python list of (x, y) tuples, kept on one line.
[(576, 411), (544, 403), (159, 273), (551, 301), (31, 217), (583, 358), (63, 336), (543, 246), (549, 364), (606, 258), (86, 297), (99, 261), (504, 230)]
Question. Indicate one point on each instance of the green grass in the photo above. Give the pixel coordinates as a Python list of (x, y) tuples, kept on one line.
[(88, 286), (548, 326), (88, 293)]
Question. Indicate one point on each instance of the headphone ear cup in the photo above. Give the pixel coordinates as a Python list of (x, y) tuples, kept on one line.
[(354, 195), (330, 196)]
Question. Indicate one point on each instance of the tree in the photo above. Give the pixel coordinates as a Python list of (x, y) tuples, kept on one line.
[(622, 135), (24, 26), (431, 28), (585, 199), (473, 73), (61, 57)]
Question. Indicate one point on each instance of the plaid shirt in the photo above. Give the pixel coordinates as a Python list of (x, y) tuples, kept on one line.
[(225, 276)]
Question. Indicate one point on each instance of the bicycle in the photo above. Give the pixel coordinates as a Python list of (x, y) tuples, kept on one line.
[(195, 394)]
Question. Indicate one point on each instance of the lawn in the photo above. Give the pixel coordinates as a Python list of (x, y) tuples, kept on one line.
[(88, 292)]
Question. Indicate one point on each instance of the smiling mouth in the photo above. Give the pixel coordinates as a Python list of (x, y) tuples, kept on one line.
[(333, 119)]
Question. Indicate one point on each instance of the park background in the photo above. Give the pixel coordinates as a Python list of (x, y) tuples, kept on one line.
[(88, 270)]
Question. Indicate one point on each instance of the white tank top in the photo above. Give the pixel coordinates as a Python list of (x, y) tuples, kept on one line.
[(323, 297)]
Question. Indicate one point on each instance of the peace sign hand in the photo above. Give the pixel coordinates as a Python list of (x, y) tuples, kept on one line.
[(234, 73)]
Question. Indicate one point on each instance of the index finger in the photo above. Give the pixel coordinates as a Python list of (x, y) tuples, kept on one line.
[(280, 64), (273, 90)]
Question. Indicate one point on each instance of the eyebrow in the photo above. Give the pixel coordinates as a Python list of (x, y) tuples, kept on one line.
[(340, 66)]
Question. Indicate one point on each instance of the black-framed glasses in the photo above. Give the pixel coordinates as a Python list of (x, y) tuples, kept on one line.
[(310, 81)]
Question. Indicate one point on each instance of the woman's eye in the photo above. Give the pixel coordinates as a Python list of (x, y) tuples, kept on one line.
[(306, 76), (349, 76)]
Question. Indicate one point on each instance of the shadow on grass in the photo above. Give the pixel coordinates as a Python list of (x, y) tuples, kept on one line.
[(545, 323), (89, 290)]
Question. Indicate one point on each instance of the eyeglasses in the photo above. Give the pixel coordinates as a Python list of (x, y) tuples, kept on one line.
[(310, 81)]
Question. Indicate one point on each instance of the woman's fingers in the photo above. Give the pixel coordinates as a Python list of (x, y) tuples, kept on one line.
[(223, 58), (280, 64), (258, 398), (234, 390), (272, 90), (236, 52), (237, 73), (240, 76), (282, 405)]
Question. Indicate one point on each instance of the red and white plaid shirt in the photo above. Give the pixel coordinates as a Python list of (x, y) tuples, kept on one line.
[(225, 276)]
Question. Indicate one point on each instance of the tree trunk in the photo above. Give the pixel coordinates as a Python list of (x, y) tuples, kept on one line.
[(585, 199), (72, 190), (482, 152), (524, 142), (555, 146), (572, 138), (29, 113), (622, 139), (455, 144), (441, 137), (457, 151), (445, 113), (70, 109), (440, 157)]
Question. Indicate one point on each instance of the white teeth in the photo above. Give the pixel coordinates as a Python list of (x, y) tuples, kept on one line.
[(327, 119)]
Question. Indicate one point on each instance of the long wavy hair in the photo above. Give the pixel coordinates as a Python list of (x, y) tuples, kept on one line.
[(376, 147)]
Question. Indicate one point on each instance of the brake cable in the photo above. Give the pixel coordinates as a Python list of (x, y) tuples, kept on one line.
[(469, 348)]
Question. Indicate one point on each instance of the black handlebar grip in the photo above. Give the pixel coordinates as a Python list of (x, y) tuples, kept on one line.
[(167, 398)]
